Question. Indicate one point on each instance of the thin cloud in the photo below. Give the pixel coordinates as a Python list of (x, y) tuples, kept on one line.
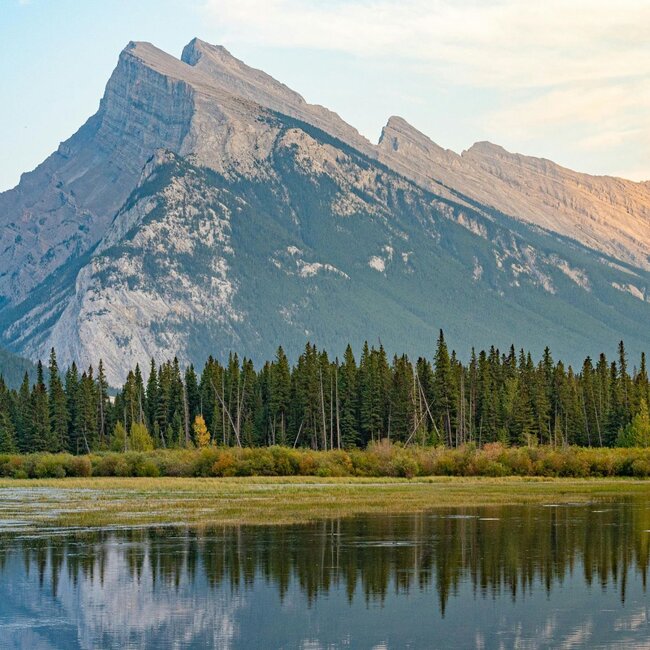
[(507, 43), (577, 68)]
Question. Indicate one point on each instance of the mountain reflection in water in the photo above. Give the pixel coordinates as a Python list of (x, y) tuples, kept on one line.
[(524, 576)]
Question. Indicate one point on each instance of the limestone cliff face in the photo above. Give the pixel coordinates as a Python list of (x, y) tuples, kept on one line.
[(610, 215), (231, 76), (63, 207)]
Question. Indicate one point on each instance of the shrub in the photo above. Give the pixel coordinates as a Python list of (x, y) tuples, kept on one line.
[(49, 466), (379, 459), (204, 461), (78, 466), (286, 461), (224, 465), (641, 468), (104, 465), (147, 468)]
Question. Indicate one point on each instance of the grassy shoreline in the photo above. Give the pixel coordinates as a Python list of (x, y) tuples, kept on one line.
[(105, 501)]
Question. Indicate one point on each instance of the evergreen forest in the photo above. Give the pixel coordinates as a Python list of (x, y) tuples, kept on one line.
[(321, 403)]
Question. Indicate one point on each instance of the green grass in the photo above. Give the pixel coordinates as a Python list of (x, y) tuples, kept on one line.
[(93, 502)]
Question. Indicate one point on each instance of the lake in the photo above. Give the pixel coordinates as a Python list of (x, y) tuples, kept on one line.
[(491, 577)]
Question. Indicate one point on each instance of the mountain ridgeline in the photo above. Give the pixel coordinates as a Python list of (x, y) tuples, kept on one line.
[(207, 207)]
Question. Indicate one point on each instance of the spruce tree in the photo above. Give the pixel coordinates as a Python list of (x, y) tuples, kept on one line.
[(24, 422), (103, 407), (443, 386), (192, 393), (151, 401), (279, 396), (40, 435), (75, 441), (58, 404), (7, 433), (348, 400)]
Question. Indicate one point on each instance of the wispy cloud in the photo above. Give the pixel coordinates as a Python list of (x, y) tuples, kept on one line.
[(580, 63), (508, 42)]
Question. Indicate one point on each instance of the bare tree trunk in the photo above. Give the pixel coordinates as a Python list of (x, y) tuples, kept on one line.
[(331, 411), (338, 424), (322, 404), (223, 410), (186, 415), (295, 442), (102, 431), (227, 412)]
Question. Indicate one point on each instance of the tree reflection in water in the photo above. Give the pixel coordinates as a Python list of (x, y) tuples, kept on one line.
[(496, 553)]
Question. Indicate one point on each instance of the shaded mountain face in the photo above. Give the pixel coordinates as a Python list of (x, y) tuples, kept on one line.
[(207, 207)]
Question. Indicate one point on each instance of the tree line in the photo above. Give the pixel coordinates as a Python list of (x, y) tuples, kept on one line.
[(324, 404)]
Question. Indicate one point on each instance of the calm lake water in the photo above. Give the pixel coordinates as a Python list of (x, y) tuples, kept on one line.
[(498, 577)]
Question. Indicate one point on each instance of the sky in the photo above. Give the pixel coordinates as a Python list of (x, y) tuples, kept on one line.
[(565, 80)]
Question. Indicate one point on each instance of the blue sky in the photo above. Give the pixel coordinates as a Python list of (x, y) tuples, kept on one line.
[(568, 81)]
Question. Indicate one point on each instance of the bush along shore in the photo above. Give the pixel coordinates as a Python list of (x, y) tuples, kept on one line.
[(377, 460)]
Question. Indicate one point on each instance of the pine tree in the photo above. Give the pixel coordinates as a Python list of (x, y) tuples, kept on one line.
[(443, 387), (41, 433), (7, 434), (58, 403)]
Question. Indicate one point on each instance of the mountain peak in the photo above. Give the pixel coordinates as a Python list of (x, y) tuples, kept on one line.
[(156, 59), (398, 134), (197, 48), (486, 147), (237, 78)]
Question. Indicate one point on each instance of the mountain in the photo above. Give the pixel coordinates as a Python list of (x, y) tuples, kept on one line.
[(207, 207), (611, 215), (13, 368)]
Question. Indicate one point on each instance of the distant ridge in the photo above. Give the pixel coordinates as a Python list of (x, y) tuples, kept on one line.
[(13, 368)]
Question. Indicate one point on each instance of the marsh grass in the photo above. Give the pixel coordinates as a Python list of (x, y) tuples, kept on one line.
[(101, 501), (278, 485)]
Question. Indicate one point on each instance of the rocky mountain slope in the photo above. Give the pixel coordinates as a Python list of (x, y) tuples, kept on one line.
[(611, 215), (206, 207)]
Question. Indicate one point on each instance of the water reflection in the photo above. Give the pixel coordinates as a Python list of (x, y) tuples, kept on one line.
[(485, 577)]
